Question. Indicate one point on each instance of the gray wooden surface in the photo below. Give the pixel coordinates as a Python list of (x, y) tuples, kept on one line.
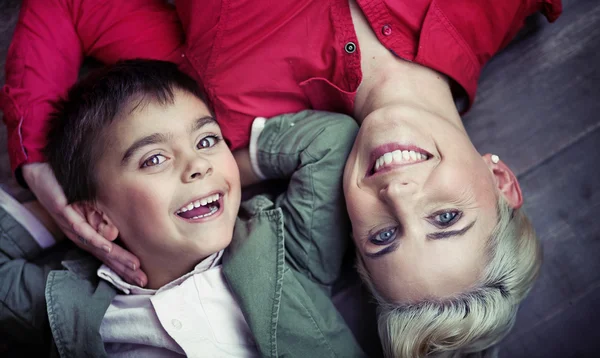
[(538, 108)]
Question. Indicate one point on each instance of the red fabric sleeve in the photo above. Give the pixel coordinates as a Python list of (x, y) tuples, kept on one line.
[(52, 37), (459, 37)]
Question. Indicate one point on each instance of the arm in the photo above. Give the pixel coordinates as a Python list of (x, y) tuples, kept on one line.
[(23, 315), (50, 40), (310, 148), (44, 61)]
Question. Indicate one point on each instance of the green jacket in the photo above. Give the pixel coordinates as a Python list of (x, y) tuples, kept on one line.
[(285, 255)]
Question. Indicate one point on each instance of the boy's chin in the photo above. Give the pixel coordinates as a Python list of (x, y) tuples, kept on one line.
[(207, 248)]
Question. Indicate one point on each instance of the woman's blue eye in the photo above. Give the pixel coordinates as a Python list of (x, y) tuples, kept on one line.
[(384, 236), (446, 218), (154, 160), (208, 141)]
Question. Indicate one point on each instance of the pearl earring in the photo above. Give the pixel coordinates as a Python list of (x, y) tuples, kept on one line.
[(495, 159)]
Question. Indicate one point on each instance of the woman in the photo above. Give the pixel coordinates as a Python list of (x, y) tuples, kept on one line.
[(440, 238)]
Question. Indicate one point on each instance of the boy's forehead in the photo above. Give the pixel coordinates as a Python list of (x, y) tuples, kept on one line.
[(154, 122), (146, 115)]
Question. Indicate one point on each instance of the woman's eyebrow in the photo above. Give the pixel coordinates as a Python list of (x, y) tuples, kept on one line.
[(446, 234), (383, 252)]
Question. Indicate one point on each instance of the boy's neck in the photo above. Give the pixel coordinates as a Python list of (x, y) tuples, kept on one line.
[(162, 270)]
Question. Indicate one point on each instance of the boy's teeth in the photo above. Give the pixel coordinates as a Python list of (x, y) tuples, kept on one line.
[(213, 209), (200, 202), (399, 156)]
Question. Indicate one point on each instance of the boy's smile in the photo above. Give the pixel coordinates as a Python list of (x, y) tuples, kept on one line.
[(169, 184), (207, 208)]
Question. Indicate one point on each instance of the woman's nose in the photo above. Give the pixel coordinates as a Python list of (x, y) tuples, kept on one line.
[(398, 189), (198, 167)]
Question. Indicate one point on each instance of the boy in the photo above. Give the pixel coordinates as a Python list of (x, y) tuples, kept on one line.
[(138, 151)]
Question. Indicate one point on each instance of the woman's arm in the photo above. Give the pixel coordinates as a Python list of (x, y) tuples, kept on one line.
[(50, 41)]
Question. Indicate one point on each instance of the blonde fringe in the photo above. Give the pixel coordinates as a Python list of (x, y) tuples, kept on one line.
[(467, 325)]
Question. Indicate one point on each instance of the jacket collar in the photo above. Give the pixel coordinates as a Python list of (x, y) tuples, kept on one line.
[(258, 287), (76, 303)]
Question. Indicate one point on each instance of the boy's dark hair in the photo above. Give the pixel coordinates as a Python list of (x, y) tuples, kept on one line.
[(76, 136)]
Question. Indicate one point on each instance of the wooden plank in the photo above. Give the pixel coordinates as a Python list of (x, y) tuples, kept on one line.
[(543, 92), (573, 333), (563, 201)]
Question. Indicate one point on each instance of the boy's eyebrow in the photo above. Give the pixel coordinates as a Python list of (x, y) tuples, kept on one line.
[(202, 121), (161, 138), (142, 142)]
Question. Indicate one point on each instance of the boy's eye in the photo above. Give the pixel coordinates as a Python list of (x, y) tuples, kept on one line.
[(208, 141), (154, 160)]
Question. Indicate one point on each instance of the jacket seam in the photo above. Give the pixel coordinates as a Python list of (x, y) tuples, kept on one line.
[(278, 285), (54, 327), (321, 335)]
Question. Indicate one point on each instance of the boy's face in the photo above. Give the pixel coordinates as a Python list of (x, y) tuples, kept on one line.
[(168, 182)]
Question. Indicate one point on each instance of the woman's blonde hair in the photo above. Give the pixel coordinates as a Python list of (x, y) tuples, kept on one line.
[(472, 322)]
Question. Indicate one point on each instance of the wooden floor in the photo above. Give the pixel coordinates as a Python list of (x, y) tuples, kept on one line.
[(538, 108)]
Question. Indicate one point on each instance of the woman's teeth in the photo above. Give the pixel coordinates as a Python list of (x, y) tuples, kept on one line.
[(399, 157), (200, 202)]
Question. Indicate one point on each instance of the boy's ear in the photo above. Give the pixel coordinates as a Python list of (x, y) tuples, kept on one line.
[(98, 220), (506, 182)]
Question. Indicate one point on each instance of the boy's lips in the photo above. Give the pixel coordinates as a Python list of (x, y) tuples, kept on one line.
[(202, 209)]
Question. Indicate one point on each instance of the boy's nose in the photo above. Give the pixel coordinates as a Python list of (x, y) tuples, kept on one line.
[(198, 168)]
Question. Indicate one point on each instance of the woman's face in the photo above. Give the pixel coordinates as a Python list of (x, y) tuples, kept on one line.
[(422, 202)]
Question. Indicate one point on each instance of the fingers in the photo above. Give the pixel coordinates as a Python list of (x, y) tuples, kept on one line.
[(115, 260), (74, 224), (124, 263), (82, 230)]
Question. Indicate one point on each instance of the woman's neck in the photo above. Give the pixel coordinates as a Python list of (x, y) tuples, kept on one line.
[(389, 80), (398, 82)]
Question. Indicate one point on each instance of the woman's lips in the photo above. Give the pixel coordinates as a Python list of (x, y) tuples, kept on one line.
[(392, 155)]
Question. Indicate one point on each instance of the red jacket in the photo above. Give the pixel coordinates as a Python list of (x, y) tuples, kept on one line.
[(253, 57)]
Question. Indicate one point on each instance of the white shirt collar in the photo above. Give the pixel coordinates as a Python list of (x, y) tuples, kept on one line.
[(107, 274)]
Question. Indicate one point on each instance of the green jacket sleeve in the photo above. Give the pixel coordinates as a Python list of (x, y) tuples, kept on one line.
[(310, 148), (23, 317)]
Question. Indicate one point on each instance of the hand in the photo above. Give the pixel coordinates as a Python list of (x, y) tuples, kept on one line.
[(43, 184)]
